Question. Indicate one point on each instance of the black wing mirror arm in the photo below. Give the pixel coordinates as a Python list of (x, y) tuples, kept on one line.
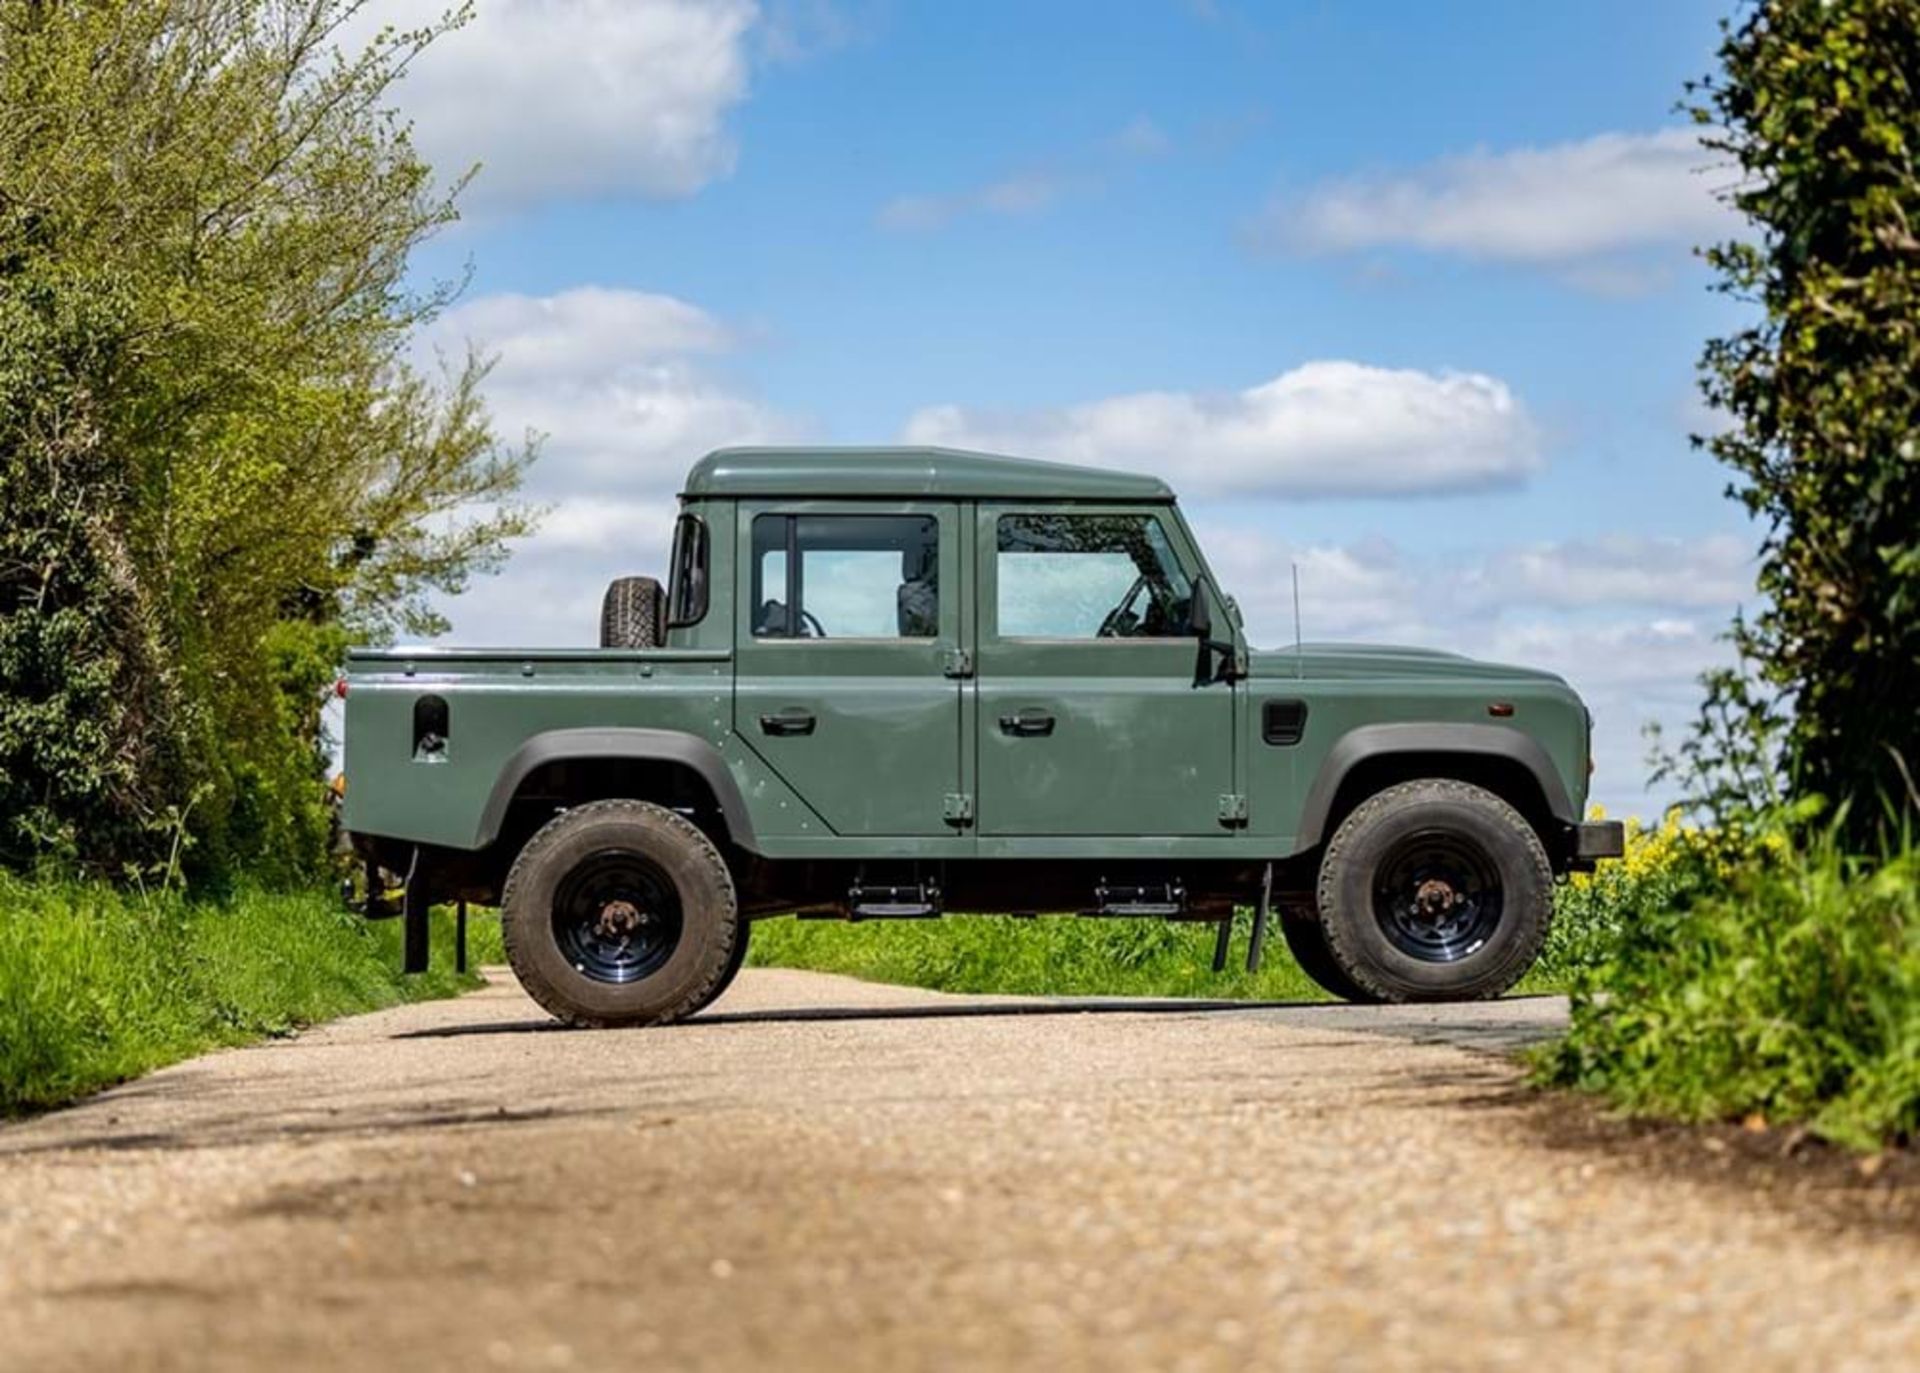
[(1200, 621)]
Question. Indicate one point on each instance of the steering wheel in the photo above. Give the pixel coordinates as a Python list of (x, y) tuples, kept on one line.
[(810, 627), (1121, 622)]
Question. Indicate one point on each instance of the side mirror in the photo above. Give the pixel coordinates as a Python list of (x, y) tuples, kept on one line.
[(1200, 612)]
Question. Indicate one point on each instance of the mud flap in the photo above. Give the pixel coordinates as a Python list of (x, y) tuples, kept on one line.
[(1257, 941), (413, 914)]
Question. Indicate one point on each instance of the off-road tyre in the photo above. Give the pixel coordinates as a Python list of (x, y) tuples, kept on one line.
[(633, 614), (587, 840), (1307, 941), (732, 970), (1366, 939)]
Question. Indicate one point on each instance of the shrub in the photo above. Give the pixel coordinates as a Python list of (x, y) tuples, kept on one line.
[(217, 462), (1789, 989), (1592, 910)]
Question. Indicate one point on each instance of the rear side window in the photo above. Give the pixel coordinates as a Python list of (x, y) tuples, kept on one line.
[(687, 573), (1089, 577), (846, 577)]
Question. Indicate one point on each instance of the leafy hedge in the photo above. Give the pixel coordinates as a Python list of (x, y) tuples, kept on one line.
[(1814, 117), (217, 462)]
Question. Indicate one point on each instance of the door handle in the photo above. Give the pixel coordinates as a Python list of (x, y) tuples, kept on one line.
[(789, 720), (1028, 722)]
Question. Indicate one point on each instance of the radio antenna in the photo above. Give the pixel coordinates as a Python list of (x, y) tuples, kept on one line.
[(1299, 656)]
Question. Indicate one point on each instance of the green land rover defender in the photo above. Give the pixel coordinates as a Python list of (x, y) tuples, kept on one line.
[(892, 683)]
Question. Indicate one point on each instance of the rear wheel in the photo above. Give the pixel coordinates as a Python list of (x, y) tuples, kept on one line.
[(733, 967), (1435, 890), (1307, 942), (620, 913)]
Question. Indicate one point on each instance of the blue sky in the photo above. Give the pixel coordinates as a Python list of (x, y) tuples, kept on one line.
[(1401, 292)]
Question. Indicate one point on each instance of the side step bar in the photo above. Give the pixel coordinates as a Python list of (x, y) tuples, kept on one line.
[(1155, 898), (921, 901)]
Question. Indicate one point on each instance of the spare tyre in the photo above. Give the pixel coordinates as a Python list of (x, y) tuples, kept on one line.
[(633, 614)]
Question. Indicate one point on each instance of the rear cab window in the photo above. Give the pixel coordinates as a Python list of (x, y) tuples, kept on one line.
[(845, 577)]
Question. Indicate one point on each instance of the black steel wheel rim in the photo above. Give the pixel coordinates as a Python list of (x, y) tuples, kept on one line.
[(1437, 896), (617, 917)]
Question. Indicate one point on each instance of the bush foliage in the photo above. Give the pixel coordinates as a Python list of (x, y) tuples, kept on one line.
[(1817, 107), (216, 460), (1592, 911), (1789, 988)]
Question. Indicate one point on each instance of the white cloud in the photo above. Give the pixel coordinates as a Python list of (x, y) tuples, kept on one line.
[(577, 97), (797, 31), (1567, 203), (1024, 193), (583, 330), (616, 381), (1035, 189), (1373, 587), (1365, 590), (598, 524), (1322, 429), (549, 592), (1716, 570)]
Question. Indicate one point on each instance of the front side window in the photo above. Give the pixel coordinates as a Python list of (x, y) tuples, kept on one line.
[(1090, 577), (846, 577), (687, 573)]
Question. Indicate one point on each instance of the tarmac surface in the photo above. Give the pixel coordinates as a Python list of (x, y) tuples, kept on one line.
[(823, 1173)]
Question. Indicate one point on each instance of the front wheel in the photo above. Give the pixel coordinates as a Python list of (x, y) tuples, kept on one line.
[(620, 913), (1435, 890)]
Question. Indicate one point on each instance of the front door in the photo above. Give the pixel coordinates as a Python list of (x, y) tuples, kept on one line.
[(1090, 722), (848, 624)]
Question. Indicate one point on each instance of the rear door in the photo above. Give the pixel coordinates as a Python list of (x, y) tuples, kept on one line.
[(848, 624), (1090, 722)]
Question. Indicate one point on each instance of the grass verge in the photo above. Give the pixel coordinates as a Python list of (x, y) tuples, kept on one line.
[(1049, 956), (98, 985)]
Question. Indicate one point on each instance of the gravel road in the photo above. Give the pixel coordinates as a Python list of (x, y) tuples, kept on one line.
[(821, 1173)]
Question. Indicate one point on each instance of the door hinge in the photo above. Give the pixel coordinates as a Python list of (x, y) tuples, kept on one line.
[(958, 809), (959, 663), (1233, 810)]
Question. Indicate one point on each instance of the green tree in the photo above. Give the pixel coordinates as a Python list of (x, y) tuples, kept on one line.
[(1817, 105), (218, 460)]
